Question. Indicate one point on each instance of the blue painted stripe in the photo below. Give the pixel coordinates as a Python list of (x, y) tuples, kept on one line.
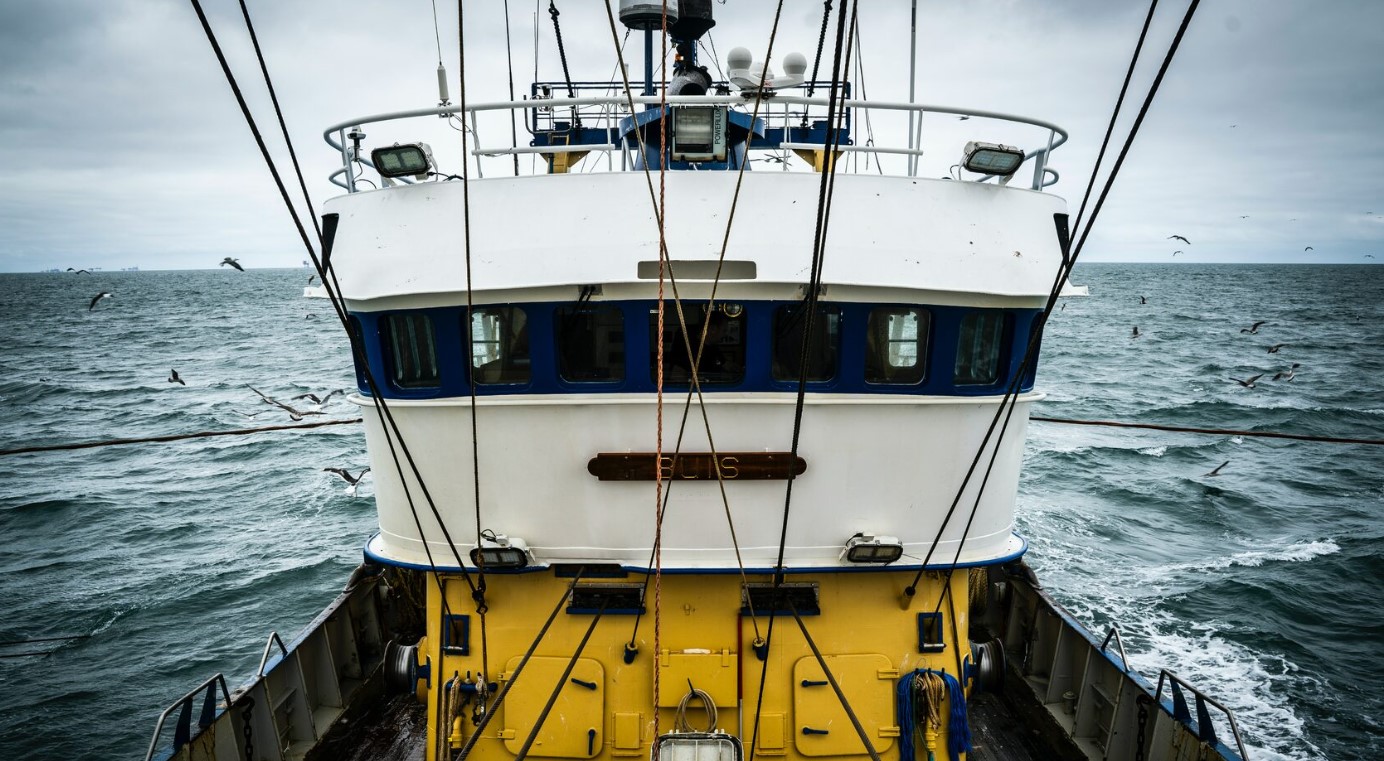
[(940, 353)]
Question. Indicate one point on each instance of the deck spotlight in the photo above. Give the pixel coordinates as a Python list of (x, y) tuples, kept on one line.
[(867, 548), (992, 158), (500, 551), (407, 160)]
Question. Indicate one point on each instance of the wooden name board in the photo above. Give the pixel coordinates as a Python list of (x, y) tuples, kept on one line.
[(696, 466)]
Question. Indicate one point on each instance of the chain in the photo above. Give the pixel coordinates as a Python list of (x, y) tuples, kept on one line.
[(821, 42), (561, 51), (248, 730), (1143, 702)]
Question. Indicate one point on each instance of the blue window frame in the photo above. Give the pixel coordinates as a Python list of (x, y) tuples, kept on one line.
[(896, 345), (722, 356), (590, 343), (979, 340), (790, 323), (500, 345), (411, 350)]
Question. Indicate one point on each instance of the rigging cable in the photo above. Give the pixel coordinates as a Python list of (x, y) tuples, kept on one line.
[(1064, 270), (562, 682), (824, 194), (509, 60), (561, 50), (1114, 114), (695, 362), (283, 126), (519, 668), (831, 679), (479, 591), (663, 264), (817, 60), (333, 291)]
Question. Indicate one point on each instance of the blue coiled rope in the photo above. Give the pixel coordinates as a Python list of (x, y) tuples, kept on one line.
[(958, 725)]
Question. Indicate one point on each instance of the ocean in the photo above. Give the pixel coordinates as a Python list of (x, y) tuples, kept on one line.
[(174, 561)]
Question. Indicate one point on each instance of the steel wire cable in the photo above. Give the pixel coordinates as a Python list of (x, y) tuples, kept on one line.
[(1064, 271), (333, 292)]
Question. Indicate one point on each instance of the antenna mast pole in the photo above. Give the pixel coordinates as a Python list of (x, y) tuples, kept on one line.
[(912, 81)]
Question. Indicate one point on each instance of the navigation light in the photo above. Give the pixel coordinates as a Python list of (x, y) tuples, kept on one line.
[(992, 158)]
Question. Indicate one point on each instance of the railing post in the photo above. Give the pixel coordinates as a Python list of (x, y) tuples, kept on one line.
[(1042, 161), (346, 160)]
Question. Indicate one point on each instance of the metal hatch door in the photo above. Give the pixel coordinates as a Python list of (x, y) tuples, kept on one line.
[(821, 726), (575, 726)]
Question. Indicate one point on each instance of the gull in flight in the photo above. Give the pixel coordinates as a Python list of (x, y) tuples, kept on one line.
[(1217, 470), (315, 399), (77, 271), (293, 414), (232, 262), (1179, 237), (1274, 349), (1288, 374), (346, 476), (1253, 328), (1309, 248), (98, 297), (1175, 253), (1248, 382), (174, 378)]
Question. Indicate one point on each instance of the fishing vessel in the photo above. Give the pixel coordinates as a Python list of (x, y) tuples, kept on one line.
[(701, 443)]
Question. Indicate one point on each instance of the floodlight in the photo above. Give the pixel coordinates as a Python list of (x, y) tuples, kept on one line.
[(992, 158), (500, 551), (699, 133), (407, 160), (866, 548)]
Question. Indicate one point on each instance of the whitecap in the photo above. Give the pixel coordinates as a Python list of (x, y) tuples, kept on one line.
[(1158, 451)]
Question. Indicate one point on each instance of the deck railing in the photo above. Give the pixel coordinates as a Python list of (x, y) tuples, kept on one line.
[(781, 115)]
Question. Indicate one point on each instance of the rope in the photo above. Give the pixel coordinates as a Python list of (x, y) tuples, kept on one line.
[(477, 592), (172, 437), (821, 42), (680, 718), (824, 195), (562, 51), (1114, 115), (920, 695), (333, 287), (1213, 431), (1068, 262), (662, 263)]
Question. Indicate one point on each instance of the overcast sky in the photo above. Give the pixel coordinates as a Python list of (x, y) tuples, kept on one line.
[(123, 145)]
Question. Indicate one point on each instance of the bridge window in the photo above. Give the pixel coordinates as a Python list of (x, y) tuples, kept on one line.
[(500, 345), (412, 352), (723, 358), (790, 322), (896, 345), (590, 343), (978, 348)]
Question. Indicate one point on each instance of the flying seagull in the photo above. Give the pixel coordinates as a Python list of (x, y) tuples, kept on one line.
[(77, 271), (346, 474), (311, 278), (98, 297), (315, 399), (293, 414), (1179, 237), (1217, 471), (1253, 328), (1244, 216), (1369, 256), (233, 262), (1288, 374), (354, 481), (1175, 253), (1248, 382), (1309, 248), (1274, 349), (173, 377), (1143, 299)]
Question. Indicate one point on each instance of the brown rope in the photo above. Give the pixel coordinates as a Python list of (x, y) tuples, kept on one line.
[(174, 437), (1217, 431)]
